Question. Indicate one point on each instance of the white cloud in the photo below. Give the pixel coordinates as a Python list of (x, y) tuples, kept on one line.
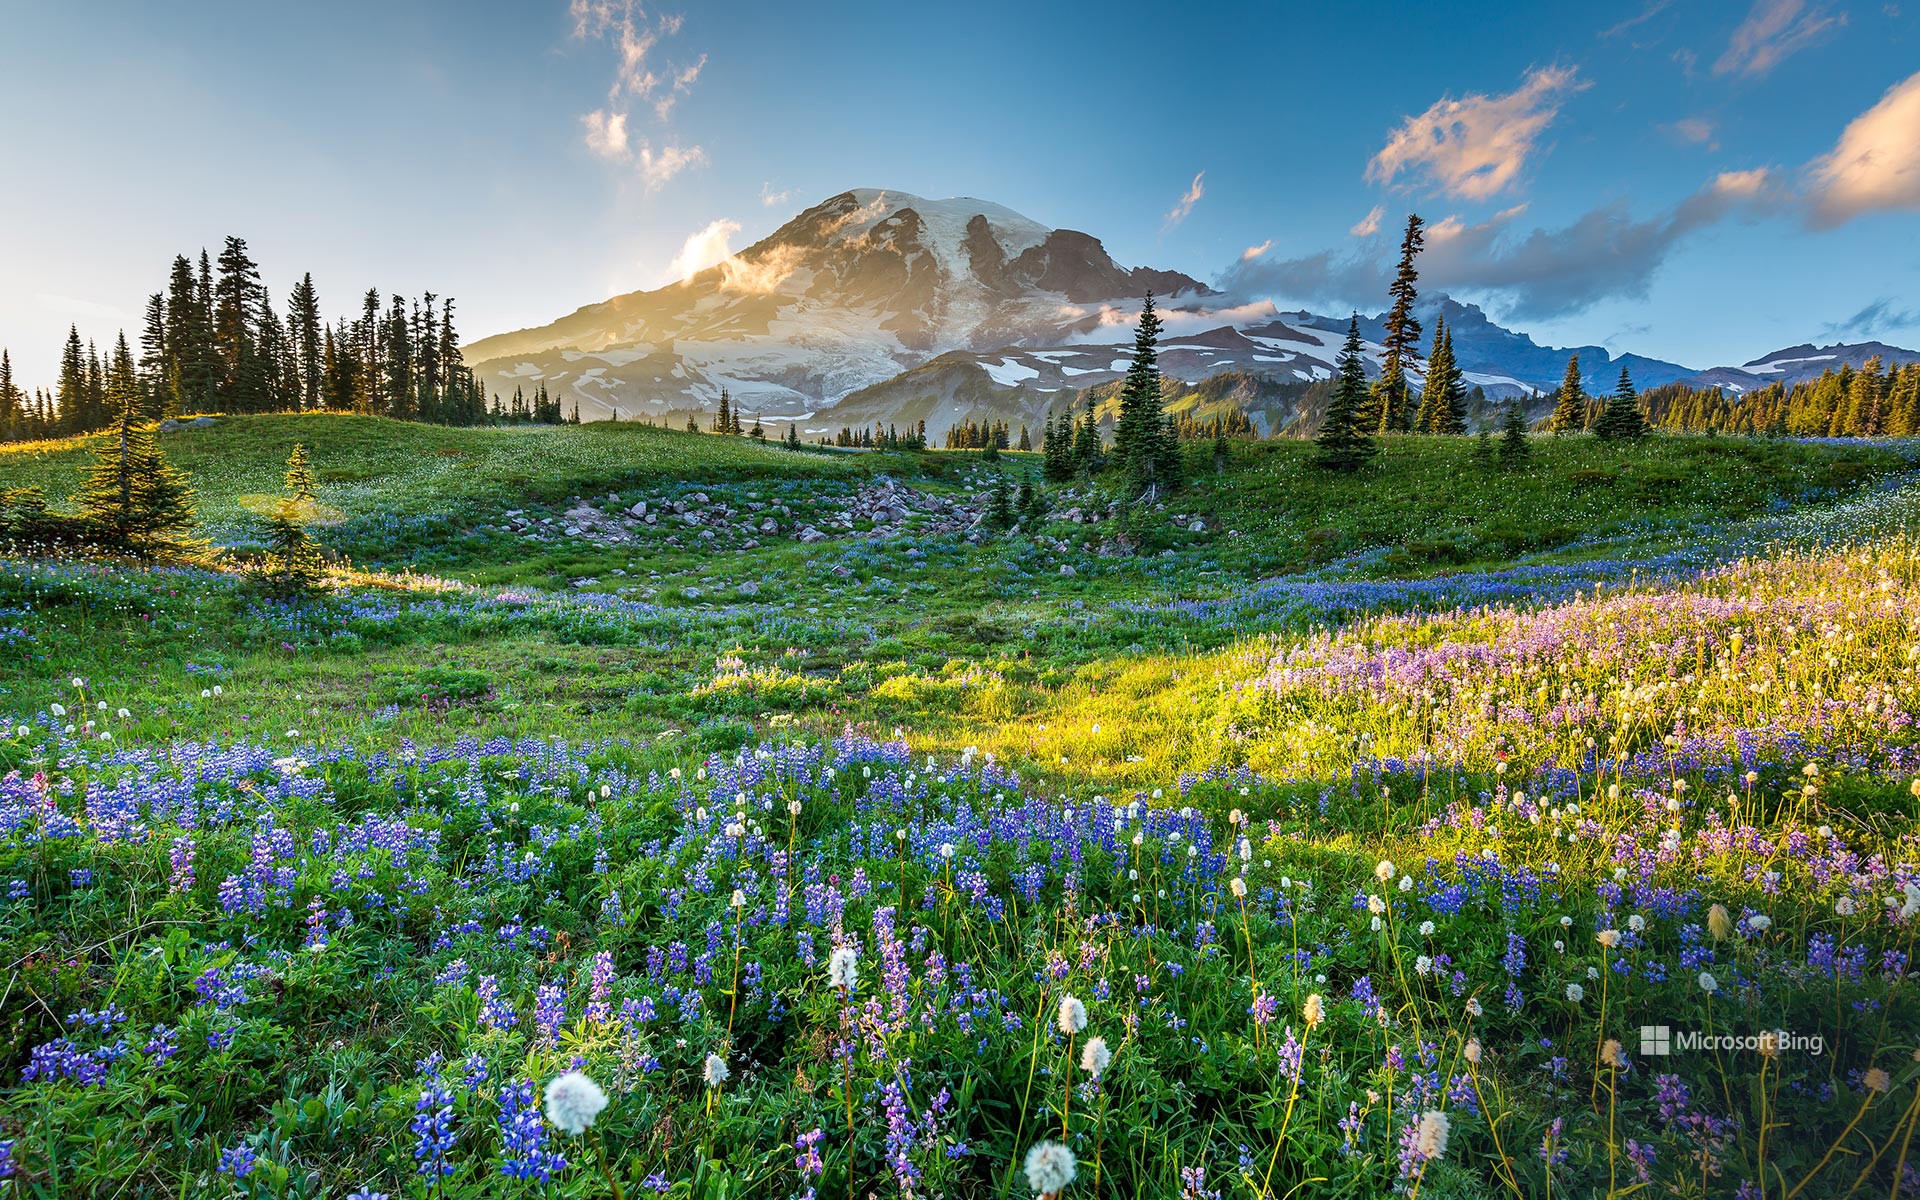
[(1695, 131), (1179, 211), (1369, 225), (634, 36), (1875, 166), (771, 198), (1773, 30), (658, 166), (1253, 252), (606, 134), (1476, 146), (704, 249), (1605, 253)]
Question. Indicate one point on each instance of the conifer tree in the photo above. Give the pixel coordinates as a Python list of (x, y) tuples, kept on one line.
[(303, 329), (13, 403), (1140, 433), (1033, 508), (294, 565), (1343, 442), (1513, 438), (723, 420), (1443, 400), (999, 514), (756, 433), (1570, 410), (1402, 340), (132, 497), (1621, 418)]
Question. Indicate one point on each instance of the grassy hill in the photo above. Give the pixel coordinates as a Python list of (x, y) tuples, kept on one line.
[(371, 464), (293, 868)]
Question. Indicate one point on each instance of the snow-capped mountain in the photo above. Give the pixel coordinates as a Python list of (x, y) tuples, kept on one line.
[(884, 307), (1797, 364), (849, 293)]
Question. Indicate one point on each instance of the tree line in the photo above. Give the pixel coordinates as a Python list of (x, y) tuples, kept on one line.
[(212, 340)]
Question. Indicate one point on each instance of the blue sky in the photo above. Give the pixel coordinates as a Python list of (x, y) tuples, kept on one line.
[(1695, 181)]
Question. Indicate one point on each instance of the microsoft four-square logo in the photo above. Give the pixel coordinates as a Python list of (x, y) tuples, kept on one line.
[(1656, 1039)]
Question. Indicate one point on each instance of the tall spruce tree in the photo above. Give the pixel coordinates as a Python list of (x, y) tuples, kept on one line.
[(1443, 399), (294, 565), (1513, 437), (303, 328), (13, 403), (1402, 340), (1343, 442), (1570, 409), (1141, 437), (1621, 419), (132, 497)]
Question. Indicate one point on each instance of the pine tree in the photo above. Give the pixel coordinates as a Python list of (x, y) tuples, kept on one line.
[(723, 420), (793, 436), (1621, 418), (756, 433), (1343, 441), (1402, 341), (303, 329), (132, 497), (153, 357), (1026, 443), (1033, 507), (236, 313), (999, 513), (1513, 438), (1140, 432), (294, 566), (1570, 410), (13, 403), (1443, 400)]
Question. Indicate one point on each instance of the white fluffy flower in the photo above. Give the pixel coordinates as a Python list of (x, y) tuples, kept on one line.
[(1072, 1017), (1050, 1168), (573, 1101), (1239, 887), (1315, 1010), (1431, 1140), (1096, 1056), (1576, 993), (1385, 870), (1608, 938), (716, 1071), (1708, 983), (843, 969)]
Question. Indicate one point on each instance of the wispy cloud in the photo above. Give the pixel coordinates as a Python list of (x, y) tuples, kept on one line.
[(771, 198), (1773, 31), (1876, 318), (1875, 166), (1695, 131), (606, 134), (1191, 197), (706, 248), (1369, 225), (1653, 9), (1476, 146), (1253, 252), (634, 36), (1536, 273), (659, 166)]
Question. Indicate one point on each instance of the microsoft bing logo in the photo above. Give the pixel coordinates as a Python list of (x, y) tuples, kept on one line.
[(1656, 1040)]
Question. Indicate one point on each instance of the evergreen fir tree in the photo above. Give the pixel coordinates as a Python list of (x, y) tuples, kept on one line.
[(13, 403), (1343, 441), (1033, 508), (1570, 409), (1140, 431), (303, 328), (1513, 437), (1402, 340), (294, 566), (132, 497), (1443, 400), (1026, 443), (999, 513), (756, 433), (723, 420), (1621, 418)]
